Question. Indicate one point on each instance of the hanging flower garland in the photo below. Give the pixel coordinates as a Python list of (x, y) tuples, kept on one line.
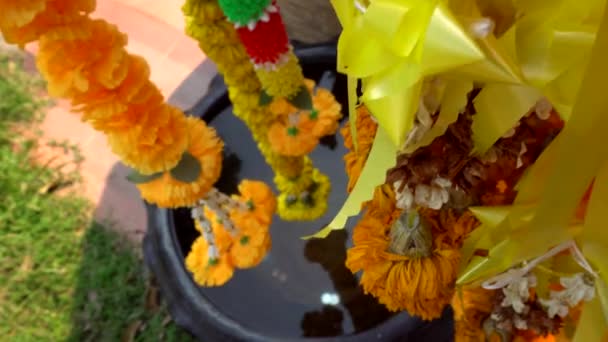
[(176, 159), (286, 113), (410, 242)]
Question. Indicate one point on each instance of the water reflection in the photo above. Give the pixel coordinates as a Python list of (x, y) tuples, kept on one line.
[(323, 323), (363, 310)]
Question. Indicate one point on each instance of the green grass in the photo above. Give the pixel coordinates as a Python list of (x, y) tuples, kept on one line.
[(62, 277)]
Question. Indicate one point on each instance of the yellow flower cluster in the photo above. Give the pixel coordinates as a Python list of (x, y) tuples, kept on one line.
[(285, 80), (217, 37), (302, 209), (245, 249), (85, 60)]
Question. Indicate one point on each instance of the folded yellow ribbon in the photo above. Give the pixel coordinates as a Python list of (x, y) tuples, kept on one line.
[(543, 53), (392, 46)]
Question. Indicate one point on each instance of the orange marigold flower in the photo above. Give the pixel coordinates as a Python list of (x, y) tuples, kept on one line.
[(405, 267), (325, 117), (206, 147), (119, 109), (291, 140), (250, 248), (20, 13), (93, 54), (223, 239), (261, 205), (206, 271), (355, 159), (471, 307), (24, 21), (157, 143)]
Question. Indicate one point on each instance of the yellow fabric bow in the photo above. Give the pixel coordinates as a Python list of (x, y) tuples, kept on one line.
[(544, 52), (391, 46)]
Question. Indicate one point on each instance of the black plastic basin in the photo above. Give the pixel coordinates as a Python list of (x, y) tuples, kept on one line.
[(302, 290)]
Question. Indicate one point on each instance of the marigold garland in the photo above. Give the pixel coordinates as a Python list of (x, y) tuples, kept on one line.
[(206, 147), (284, 80), (355, 159), (218, 38), (85, 60), (26, 21)]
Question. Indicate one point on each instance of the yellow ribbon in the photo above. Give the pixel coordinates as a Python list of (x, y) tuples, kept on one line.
[(392, 46), (563, 173), (552, 190), (381, 158), (542, 54)]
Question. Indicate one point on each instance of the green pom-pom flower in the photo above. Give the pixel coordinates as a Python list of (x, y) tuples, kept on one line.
[(243, 11)]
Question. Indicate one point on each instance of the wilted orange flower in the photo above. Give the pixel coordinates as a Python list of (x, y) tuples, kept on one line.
[(291, 140), (471, 307), (355, 159), (206, 271), (206, 147), (422, 285)]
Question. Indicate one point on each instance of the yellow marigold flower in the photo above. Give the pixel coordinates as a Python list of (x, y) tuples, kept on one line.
[(284, 81), (296, 185), (355, 159), (95, 57), (250, 248), (207, 272), (306, 211), (156, 144), (471, 307), (206, 147)]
